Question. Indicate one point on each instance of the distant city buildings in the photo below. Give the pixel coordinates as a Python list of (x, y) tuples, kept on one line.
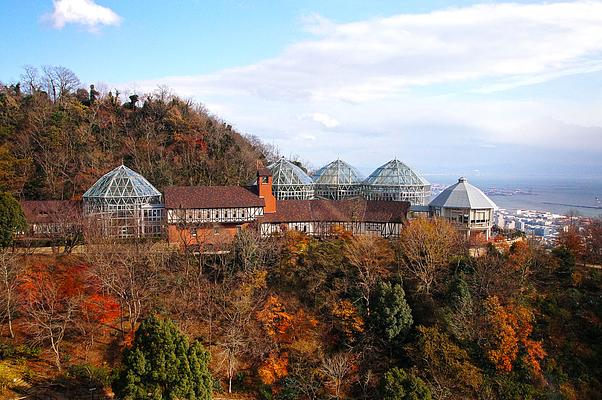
[(540, 224)]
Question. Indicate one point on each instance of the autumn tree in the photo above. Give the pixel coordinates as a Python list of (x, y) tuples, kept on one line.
[(593, 241), (51, 297), (347, 321), (163, 364), (12, 219), (570, 238), (392, 316), (509, 331), (399, 384), (371, 256), (426, 247)]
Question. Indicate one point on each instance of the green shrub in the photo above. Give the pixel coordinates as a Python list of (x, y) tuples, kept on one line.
[(398, 384)]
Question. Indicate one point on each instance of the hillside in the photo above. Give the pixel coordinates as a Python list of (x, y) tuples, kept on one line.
[(281, 317), (57, 138)]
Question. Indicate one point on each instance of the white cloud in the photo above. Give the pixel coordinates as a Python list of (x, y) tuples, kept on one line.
[(83, 12), (400, 85), (324, 119)]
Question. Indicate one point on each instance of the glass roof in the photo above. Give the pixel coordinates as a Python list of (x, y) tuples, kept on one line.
[(285, 172), (337, 172), (121, 182), (395, 173)]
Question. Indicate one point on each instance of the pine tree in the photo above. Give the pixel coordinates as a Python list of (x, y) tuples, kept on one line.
[(161, 364), (12, 219), (391, 317), (401, 385)]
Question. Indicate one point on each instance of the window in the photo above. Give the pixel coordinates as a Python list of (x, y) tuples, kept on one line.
[(215, 230), (193, 232)]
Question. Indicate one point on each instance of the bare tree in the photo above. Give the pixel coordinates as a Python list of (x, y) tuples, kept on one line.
[(130, 272), (50, 306), (30, 78), (59, 81), (10, 273), (336, 369)]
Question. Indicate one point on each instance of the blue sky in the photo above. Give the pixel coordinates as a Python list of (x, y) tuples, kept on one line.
[(474, 88)]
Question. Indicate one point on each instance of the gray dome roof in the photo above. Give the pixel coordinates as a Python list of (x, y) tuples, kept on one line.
[(121, 182), (395, 173), (462, 195), (285, 172), (337, 172)]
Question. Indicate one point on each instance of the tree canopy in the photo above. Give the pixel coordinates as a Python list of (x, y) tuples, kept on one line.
[(162, 364), (12, 219)]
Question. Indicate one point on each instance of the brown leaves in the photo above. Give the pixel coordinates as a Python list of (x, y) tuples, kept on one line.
[(426, 247), (347, 319), (509, 328)]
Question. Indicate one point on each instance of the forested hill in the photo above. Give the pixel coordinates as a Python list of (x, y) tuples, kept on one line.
[(57, 138)]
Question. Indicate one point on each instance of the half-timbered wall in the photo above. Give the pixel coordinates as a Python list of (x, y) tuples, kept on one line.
[(213, 215), (384, 229)]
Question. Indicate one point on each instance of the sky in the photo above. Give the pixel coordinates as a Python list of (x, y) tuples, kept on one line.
[(484, 89)]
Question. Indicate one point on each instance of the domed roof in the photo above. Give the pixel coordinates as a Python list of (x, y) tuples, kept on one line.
[(119, 183), (395, 173), (337, 172), (285, 172), (462, 195)]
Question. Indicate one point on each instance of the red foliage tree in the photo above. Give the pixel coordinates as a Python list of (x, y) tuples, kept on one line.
[(57, 298)]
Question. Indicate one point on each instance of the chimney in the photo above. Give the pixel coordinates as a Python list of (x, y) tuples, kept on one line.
[(264, 188)]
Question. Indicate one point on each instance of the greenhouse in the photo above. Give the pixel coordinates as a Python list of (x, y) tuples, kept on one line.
[(396, 181), (289, 182), (337, 180), (123, 203)]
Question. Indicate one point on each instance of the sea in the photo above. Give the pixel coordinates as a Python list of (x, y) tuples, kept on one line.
[(566, 196)]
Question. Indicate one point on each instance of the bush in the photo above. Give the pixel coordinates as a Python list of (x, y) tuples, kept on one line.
[(90, 374), (9, 350), (398, 384)]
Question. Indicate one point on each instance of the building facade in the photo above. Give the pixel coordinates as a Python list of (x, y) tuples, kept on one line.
[(467, 207), (122, 203), (209, 216)]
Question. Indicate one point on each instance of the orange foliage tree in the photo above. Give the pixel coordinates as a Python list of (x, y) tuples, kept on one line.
[(509, 332), (289, 333), (276, 322), (347, 320), (56, 299)]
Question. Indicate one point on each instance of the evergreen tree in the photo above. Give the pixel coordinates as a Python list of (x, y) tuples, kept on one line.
[(12, 219), (401, 385), (161, 364), (391, 317)]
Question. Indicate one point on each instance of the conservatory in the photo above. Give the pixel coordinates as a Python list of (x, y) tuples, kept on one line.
[(289, 182), (124, 204), (337, 180), (396, 181)]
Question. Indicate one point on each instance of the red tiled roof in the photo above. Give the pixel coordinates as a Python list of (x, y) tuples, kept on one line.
[(196, 197), (321, 210), (49, 211)]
